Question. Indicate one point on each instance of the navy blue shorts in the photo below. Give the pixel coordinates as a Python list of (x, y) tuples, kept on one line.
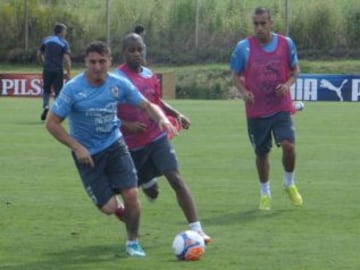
[(154, 159), (114, 170), (53, 78), (261, 130)]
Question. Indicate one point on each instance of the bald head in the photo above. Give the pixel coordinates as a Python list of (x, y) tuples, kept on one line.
[(130, 39), (133, 50)]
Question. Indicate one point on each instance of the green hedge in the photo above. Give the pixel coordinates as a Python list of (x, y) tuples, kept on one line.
[(320, 28)]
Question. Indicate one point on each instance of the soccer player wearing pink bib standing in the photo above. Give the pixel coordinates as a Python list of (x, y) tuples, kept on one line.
[(149, 146), (264, 66)]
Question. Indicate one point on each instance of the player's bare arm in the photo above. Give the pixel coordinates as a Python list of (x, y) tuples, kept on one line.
[(169, 110), (283, 88), (158, 115), (246, 95), (40, 57), (134, 127), (67, 65), (56, 129)]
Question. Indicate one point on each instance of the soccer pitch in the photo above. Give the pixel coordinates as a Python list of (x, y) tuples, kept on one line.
[(48, 222)]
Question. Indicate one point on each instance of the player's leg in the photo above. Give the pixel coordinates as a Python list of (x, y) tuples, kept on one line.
[(102, 188), (259, 131), (47, 81), (146, 172), (122, 177), (285, 137), (58, 81), (163, 157), (130, 215), (151, 189), (186, 202)]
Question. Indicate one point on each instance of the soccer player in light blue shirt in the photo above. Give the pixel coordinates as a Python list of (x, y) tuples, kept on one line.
[(89, 101)]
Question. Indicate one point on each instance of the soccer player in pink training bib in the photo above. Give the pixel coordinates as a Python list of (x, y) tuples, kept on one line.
[(149, 146), (264, 66)]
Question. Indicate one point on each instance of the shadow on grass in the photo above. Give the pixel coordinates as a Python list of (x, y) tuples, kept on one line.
[(76, 258), (229, 219)]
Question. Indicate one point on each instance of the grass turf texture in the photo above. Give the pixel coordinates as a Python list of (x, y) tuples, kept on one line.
[(47, 221)]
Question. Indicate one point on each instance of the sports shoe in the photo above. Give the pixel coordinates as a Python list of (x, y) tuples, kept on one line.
[(135, 250), (265, 203), (294, 195), (207, 239), (151, 189), (44, 114)]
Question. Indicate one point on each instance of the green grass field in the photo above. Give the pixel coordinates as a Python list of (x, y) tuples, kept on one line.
[(48, 222)]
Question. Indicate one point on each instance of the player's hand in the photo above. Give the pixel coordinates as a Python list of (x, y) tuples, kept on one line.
[(83, 156), (282, 89), (184, 121), (248, 97), (165, 124)]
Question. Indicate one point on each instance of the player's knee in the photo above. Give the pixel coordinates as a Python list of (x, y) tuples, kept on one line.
[(130, 197), (288, 147), (176, 182)]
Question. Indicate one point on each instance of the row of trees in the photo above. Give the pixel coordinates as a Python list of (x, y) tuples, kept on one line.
[(320, 28)]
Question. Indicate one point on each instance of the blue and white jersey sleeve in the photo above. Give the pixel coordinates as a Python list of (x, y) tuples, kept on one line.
[(240, 56), (293, 57)]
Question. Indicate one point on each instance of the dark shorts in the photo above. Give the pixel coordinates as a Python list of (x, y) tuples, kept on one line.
[(114, 170), (154, 160), (261, 130), (53, 78)]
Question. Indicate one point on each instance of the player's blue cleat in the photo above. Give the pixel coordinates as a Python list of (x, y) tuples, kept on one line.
[(134, 249)]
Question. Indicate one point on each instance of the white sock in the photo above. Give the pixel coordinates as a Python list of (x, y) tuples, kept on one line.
[(130, 242), (289, 179), (265, 189), (149, 184), (195, 226)]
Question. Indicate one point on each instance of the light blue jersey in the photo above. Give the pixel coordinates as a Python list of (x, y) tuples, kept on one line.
[(91, 111), (240, 55)]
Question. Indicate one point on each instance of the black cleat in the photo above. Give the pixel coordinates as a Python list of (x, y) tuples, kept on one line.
[(151, 190), (44, 114)]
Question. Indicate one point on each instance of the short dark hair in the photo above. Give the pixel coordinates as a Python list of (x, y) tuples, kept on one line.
[(262, 10), (139, 29), (58, 28), (99, 47)]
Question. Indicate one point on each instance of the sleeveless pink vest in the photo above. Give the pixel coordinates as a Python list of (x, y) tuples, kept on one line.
[(150, 88), (264, 71)]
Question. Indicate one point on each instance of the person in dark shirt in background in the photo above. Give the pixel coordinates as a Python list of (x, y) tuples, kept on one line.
[(54, 55)]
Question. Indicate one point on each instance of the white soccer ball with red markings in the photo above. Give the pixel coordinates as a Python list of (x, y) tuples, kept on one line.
[(188, 246)]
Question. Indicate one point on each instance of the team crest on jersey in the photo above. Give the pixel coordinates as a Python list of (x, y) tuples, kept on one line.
[(115, 91)]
